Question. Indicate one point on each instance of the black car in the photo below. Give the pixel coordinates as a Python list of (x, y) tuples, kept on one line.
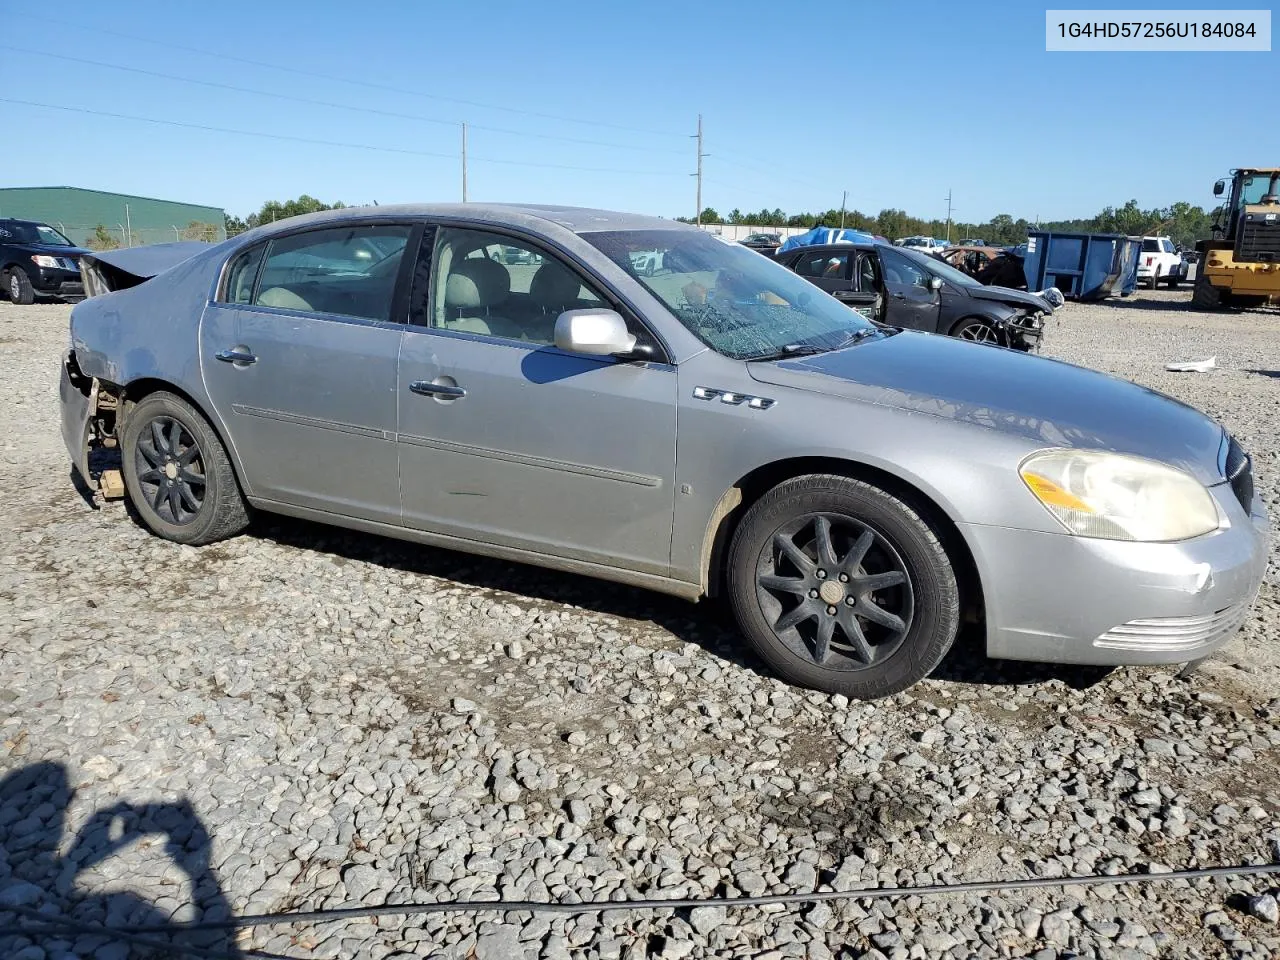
[(764, 242), (36, 258), (903, 288)]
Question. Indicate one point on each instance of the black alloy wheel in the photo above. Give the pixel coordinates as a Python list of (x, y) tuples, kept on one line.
[(835, 591), (170, 470)]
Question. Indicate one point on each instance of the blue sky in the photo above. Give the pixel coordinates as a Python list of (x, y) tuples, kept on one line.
[(595, 103)]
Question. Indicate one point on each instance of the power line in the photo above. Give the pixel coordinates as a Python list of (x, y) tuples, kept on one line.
[(594, 122), (329, 143), (375, 111), (53, 924)]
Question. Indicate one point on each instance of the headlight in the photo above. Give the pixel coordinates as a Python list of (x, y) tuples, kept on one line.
[(1117, 497), (40, 260)]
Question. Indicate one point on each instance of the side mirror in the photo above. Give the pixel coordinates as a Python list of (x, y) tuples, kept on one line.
[(1219, 188), (934, 283), (597, 333)]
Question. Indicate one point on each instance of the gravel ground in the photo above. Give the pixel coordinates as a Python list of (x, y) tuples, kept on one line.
[(304, 718)]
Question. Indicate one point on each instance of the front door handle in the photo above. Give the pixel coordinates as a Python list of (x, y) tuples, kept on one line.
[(428, 389), (237, 356)]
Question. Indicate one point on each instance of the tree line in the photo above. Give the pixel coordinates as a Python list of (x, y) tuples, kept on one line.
[(1183, 222), (274, 210)]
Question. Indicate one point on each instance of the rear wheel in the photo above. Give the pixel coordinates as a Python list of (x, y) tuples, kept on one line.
[(1204, 294), (18, 286), (840, 586), (178, 475), (1154, 279)]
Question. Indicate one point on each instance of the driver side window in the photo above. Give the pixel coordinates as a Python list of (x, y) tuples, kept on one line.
[(898, 269)]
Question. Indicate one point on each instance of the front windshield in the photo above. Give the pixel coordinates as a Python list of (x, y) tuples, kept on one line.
[(35, 233), (51, 236), (739, 303), (940, 268), (1254, 188)]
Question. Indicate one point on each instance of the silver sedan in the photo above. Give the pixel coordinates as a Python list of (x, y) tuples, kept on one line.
[(634, 399)]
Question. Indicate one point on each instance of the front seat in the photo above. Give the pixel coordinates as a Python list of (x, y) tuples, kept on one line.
[(476, 288), (554, 289)]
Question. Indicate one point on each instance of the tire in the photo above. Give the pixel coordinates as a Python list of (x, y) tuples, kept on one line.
[(1204, 294), (1153, 279), (976, 330), (774, 564), (172, 506), (18, 286), (1173, 281)]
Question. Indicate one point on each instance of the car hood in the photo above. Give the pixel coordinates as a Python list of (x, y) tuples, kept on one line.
[(1049, 402), (1010, 296), (49, 249)]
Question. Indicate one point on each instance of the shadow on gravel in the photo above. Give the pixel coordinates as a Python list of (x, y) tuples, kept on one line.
[(1139, 303), (707, 624), (39, 902), (1274, 374), (967, 662)]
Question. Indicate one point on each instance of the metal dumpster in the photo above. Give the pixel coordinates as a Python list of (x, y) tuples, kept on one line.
[(1084, 266)]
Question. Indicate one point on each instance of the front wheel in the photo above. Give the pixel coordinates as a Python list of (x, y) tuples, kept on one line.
[(840, 586), (978, 330), (178, 474), (1204, 294), (19, 287)]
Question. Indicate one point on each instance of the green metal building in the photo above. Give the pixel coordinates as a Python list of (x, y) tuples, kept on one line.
[(129, 221)]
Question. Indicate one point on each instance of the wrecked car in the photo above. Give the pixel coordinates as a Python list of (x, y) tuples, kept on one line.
[(720, 427), (903, 288)]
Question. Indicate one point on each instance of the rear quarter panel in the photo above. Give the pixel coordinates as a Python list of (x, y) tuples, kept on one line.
[(151, 331)]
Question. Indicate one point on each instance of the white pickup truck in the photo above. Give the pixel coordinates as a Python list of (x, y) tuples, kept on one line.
[(1160, 262)]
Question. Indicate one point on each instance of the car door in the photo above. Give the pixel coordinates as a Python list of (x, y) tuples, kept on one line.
[(910, 302), (506, 439), (299, 356)]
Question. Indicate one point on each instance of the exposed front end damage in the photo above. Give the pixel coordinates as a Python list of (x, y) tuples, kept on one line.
[(89, 416)]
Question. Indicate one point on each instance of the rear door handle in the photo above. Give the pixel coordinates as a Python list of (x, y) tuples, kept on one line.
[(428, 389), (237, 356)]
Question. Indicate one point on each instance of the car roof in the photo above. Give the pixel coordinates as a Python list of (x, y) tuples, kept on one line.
[(31, 223), (576, 219)]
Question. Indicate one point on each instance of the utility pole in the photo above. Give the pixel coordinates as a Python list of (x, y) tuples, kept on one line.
[(464, 162), (128, 227), (948, 214), (844, 198), (698, 216)]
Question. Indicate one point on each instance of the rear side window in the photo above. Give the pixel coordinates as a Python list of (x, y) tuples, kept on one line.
[(1151, 245), (823, 265), (241, 274), (349, 271)]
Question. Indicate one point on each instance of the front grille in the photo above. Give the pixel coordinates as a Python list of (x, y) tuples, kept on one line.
[(1259, 240), (1174, 633), (1239, 473)]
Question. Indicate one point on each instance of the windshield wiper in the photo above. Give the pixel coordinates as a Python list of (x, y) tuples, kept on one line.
[(808, 349)]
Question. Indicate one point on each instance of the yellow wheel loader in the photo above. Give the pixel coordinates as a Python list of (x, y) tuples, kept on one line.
[(1240, 266)]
